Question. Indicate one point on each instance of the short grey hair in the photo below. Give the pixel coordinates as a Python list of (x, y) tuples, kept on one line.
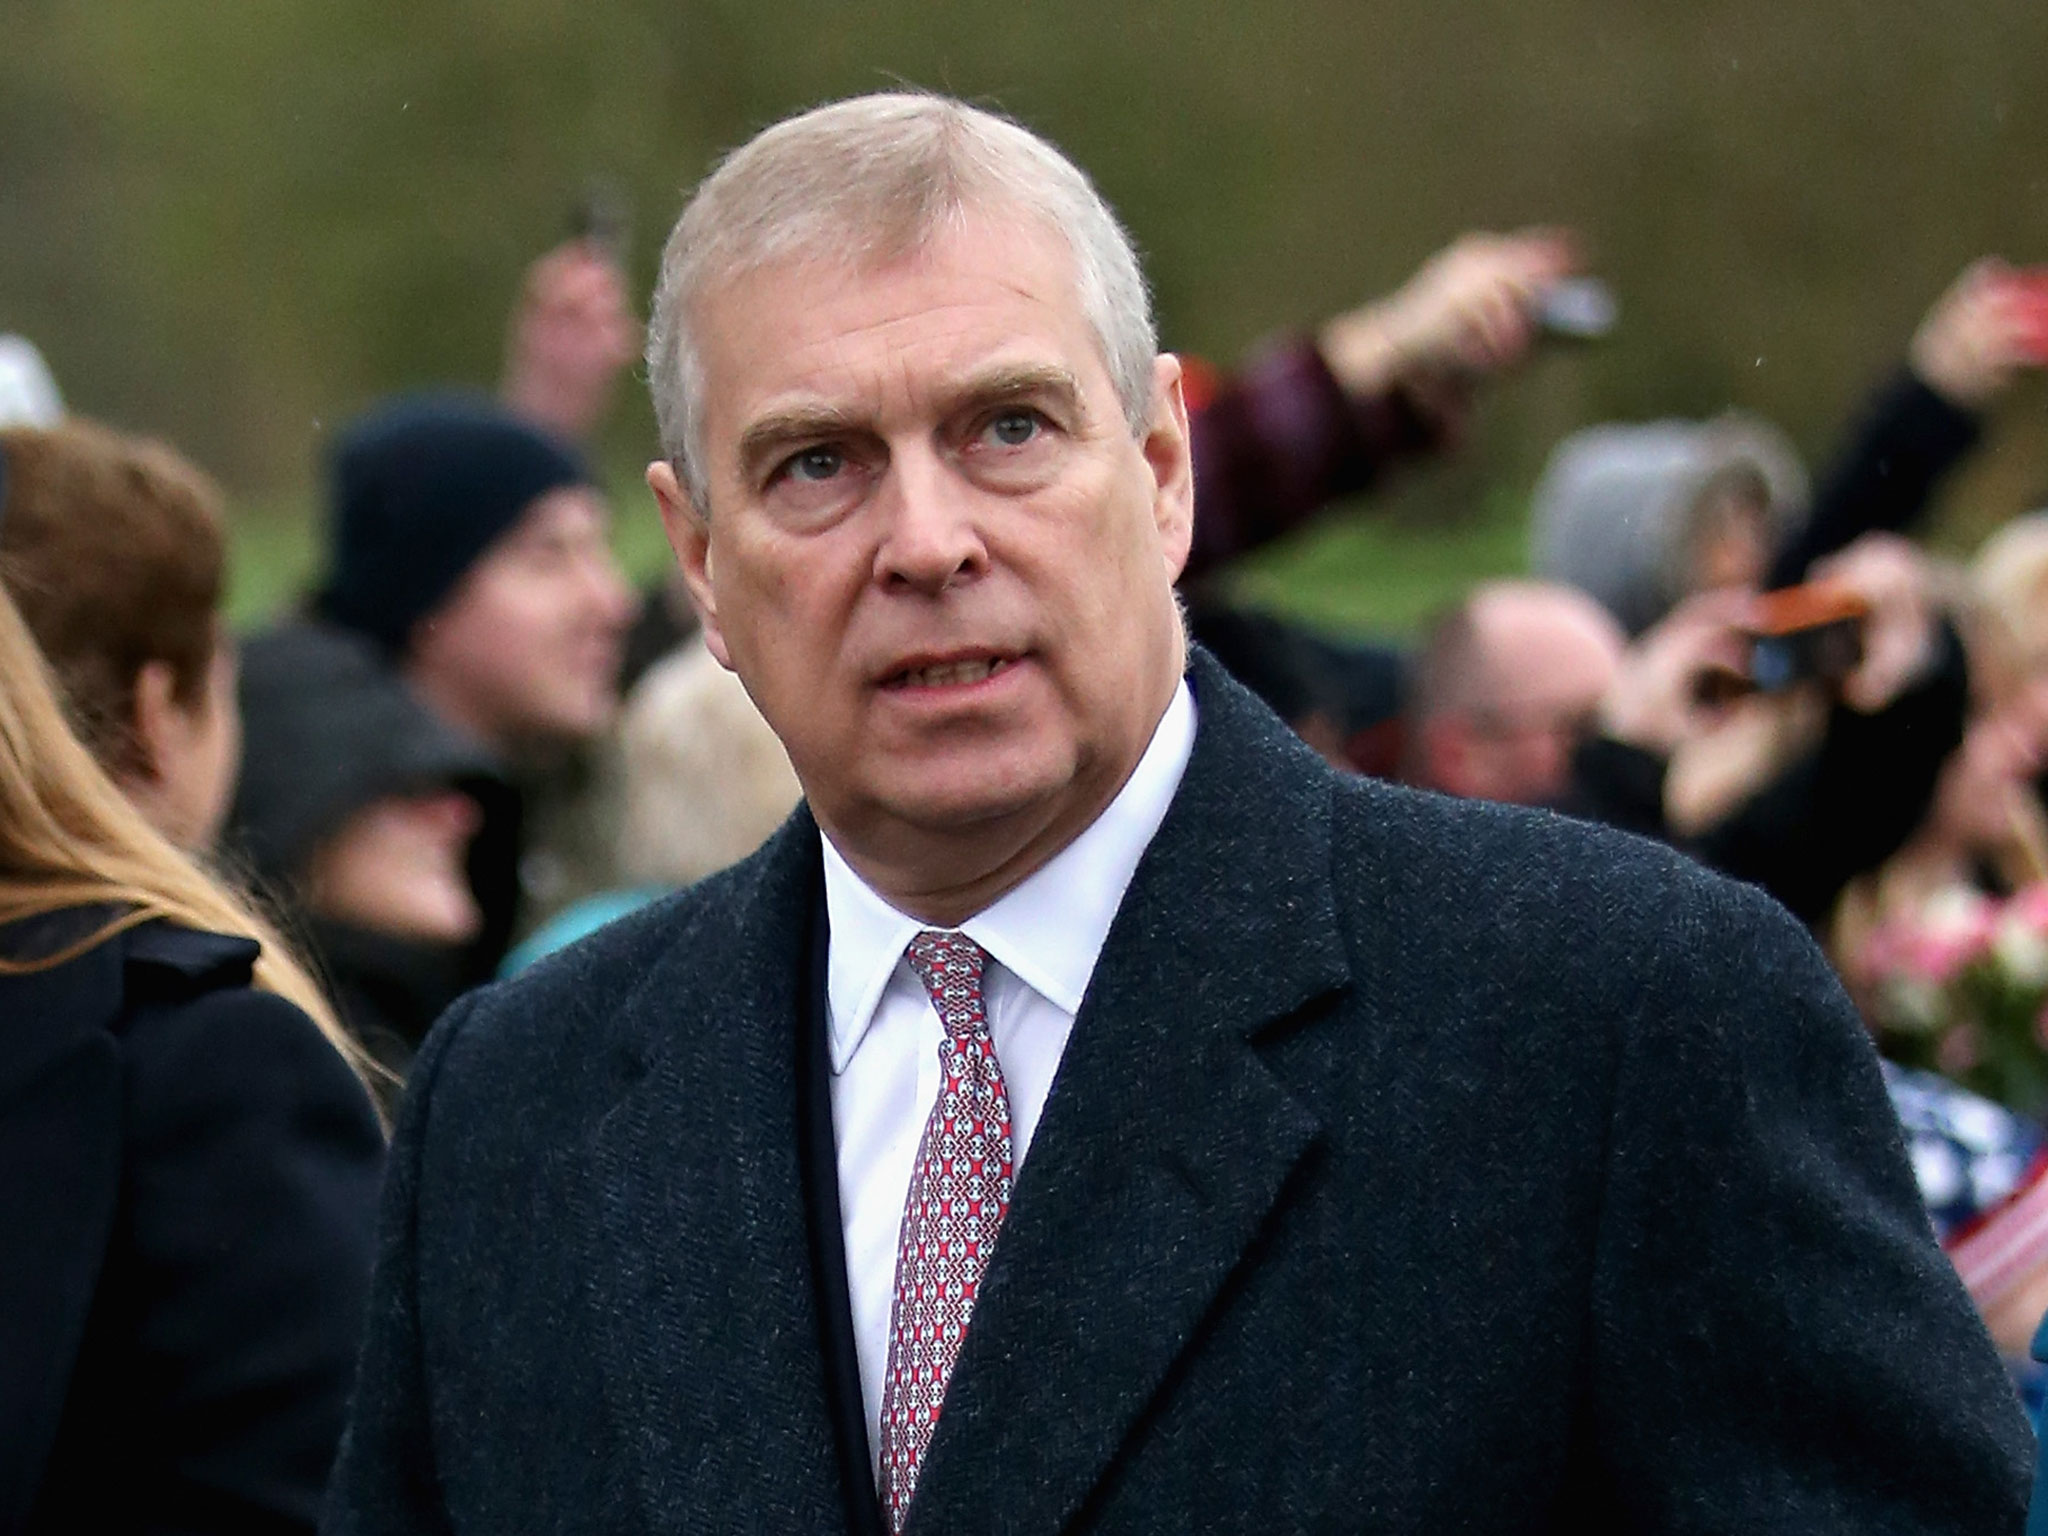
[(870, 180)]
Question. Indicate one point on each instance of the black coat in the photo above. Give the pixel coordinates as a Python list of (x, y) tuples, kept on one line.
[(188, 1177), (1834, 814), (1414, 1166), (1883, 477)]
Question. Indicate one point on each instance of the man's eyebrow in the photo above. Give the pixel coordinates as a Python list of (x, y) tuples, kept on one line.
[(785, 428), (1014, 382)]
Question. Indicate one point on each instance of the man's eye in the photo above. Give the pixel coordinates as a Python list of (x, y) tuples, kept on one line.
[(815, 464), (1013, 429)]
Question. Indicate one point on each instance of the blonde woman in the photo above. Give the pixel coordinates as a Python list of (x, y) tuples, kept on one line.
[(188, 1166)]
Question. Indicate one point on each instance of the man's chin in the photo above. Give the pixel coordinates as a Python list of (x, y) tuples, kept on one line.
[(941, 807), (1020, 809), (969, 809)]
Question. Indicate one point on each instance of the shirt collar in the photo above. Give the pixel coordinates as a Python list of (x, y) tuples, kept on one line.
[(1048, 932)]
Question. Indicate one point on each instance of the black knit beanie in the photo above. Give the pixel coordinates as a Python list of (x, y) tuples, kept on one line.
[(418, 489)]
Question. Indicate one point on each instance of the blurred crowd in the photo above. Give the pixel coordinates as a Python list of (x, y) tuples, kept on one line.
[(473, 742)]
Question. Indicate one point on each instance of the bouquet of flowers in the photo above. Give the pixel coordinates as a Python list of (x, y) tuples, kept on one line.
[(1961, 986)]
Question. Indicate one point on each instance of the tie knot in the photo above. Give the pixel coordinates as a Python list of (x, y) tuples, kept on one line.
[(950, 966)]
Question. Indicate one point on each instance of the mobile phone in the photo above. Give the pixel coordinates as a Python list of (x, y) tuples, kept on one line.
[(1810, 633), (1576, 309), (600, 217), (2030, 284)]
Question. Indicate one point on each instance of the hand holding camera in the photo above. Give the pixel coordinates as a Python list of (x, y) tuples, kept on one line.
[(1862, 631), (1678, 679), (1990, 324), (1891, 578), (1473, 308)]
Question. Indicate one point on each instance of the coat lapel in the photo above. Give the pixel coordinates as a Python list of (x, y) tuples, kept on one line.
[(714, 1361), (1165, 1142)]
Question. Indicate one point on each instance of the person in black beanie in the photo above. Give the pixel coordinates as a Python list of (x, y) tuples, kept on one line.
[(354, 813), (473, 550)]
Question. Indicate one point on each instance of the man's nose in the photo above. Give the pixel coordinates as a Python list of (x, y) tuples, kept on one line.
[(931, 535)]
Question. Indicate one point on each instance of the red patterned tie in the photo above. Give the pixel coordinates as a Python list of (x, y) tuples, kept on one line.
[(959, 1192)]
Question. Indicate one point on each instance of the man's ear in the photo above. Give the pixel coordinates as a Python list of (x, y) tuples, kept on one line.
[(1170, 457), (689, 535)]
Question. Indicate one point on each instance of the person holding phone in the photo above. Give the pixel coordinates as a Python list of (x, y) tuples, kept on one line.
[(1805, 786)]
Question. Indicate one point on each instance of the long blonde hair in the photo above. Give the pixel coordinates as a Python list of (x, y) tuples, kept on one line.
[(69, 838)]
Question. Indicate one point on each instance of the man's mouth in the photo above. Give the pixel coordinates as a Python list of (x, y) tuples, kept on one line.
[(948, 674)]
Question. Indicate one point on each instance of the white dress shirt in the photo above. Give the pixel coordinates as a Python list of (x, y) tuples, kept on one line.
[(1043, 939)]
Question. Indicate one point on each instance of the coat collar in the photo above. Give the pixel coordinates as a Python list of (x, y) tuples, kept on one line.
[(1165, 1143)]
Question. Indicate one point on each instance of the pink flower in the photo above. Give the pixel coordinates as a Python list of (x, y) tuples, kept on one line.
[(1955, 928), (2029, 905), (1939, 957)]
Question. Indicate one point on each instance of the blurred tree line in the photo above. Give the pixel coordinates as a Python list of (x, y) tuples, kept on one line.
[(235, 224)]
